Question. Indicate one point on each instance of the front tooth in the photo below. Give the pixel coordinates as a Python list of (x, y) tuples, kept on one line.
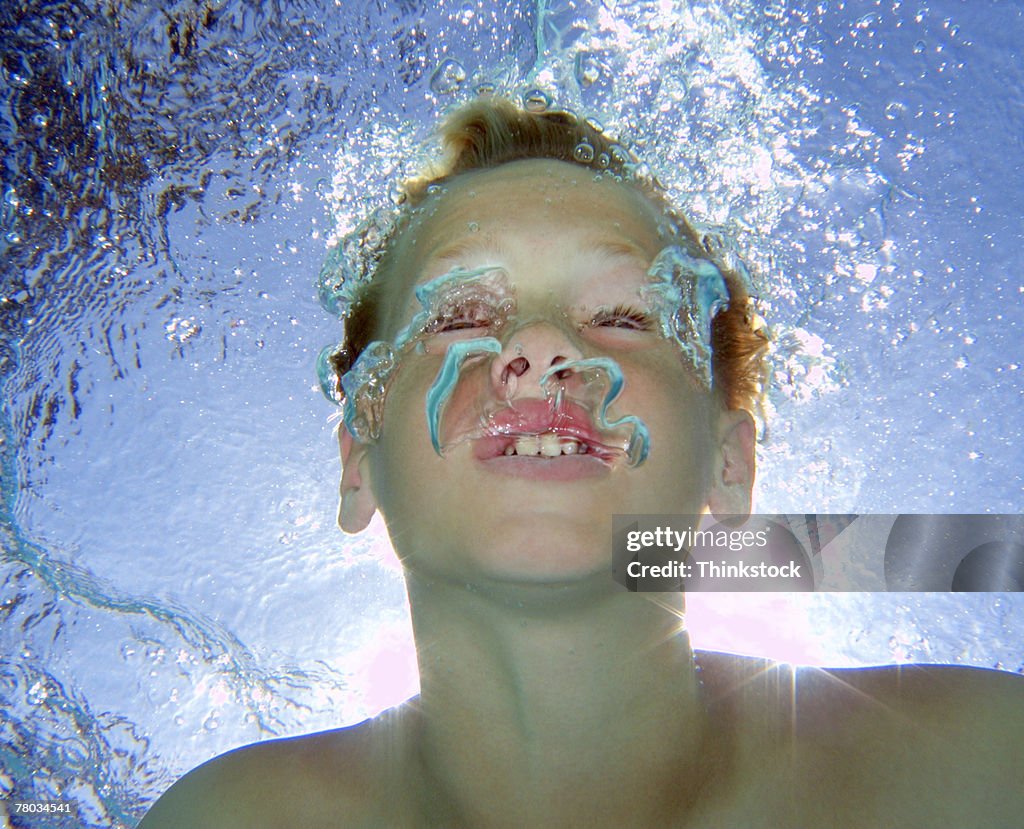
[(550, 446), (528, 445)]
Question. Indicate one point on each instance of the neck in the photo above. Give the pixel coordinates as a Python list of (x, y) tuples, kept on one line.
[(544, 702)]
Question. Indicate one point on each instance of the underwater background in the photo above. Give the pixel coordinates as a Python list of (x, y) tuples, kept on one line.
[(174, 174)]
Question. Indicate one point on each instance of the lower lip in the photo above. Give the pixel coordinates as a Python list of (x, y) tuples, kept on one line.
[(538, 468)]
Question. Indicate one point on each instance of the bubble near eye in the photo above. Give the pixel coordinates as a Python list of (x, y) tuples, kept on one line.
[(462, 317), (687, 293), (461, 299)]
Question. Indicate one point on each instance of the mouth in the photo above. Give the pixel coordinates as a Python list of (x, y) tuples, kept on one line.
[(545, 446), (535, 430)]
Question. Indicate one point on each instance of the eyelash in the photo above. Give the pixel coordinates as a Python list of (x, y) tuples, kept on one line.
[(479, 315), (620, 314), (461, 318)]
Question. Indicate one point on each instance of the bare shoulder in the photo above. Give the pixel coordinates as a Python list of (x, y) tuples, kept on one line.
[(325, 779), (908, 744), (974, 705), (953, 734), (979, 711)]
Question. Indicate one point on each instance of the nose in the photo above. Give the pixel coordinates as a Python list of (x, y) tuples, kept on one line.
[(529, 352)]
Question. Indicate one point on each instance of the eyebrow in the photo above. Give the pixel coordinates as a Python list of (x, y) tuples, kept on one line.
[(620, 249), (470, 245)]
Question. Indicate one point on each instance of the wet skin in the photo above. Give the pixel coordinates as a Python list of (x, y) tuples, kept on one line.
[(574, 249)]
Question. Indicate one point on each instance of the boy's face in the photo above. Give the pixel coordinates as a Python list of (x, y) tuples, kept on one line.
[(575, 253)]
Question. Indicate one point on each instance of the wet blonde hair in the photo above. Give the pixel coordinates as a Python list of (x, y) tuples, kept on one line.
[(490, 132)]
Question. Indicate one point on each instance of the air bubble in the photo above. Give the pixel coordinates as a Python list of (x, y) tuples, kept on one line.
[(603, 160), (919, 47), (588, 70), (448, 77), (473, 227), (893, 110), (537, 100), (584, 152)]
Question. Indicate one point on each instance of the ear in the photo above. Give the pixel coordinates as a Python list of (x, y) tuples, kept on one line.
[(734, 470), (358, 503)]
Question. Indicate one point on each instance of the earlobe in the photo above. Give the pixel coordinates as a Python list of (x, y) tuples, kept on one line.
[(734, 474), (358, 503)]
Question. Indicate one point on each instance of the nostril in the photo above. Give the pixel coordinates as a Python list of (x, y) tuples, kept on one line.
[(517, 367), (560, 375)]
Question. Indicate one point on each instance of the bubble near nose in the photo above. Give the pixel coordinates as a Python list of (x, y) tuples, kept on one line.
[(441, 390), (594, 371)]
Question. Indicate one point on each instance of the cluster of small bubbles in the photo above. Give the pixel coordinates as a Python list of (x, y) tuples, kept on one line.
[(640, 172), (583, 152), (802, 367), (181, 330)]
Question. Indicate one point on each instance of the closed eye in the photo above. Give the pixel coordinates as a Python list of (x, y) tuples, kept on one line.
[(461, 317), (623, 316)]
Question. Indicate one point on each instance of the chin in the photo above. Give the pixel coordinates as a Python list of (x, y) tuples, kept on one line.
[(538, 554)]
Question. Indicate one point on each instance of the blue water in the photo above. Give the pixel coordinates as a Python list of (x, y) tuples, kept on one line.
[(173, 584)]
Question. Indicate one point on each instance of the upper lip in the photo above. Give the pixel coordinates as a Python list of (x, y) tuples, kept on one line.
[(536, 417)]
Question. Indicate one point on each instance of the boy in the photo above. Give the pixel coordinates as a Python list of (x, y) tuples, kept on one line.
[(543, 344)]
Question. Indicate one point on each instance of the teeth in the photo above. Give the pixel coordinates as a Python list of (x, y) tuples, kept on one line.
[(529, 445), (548, 445)]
